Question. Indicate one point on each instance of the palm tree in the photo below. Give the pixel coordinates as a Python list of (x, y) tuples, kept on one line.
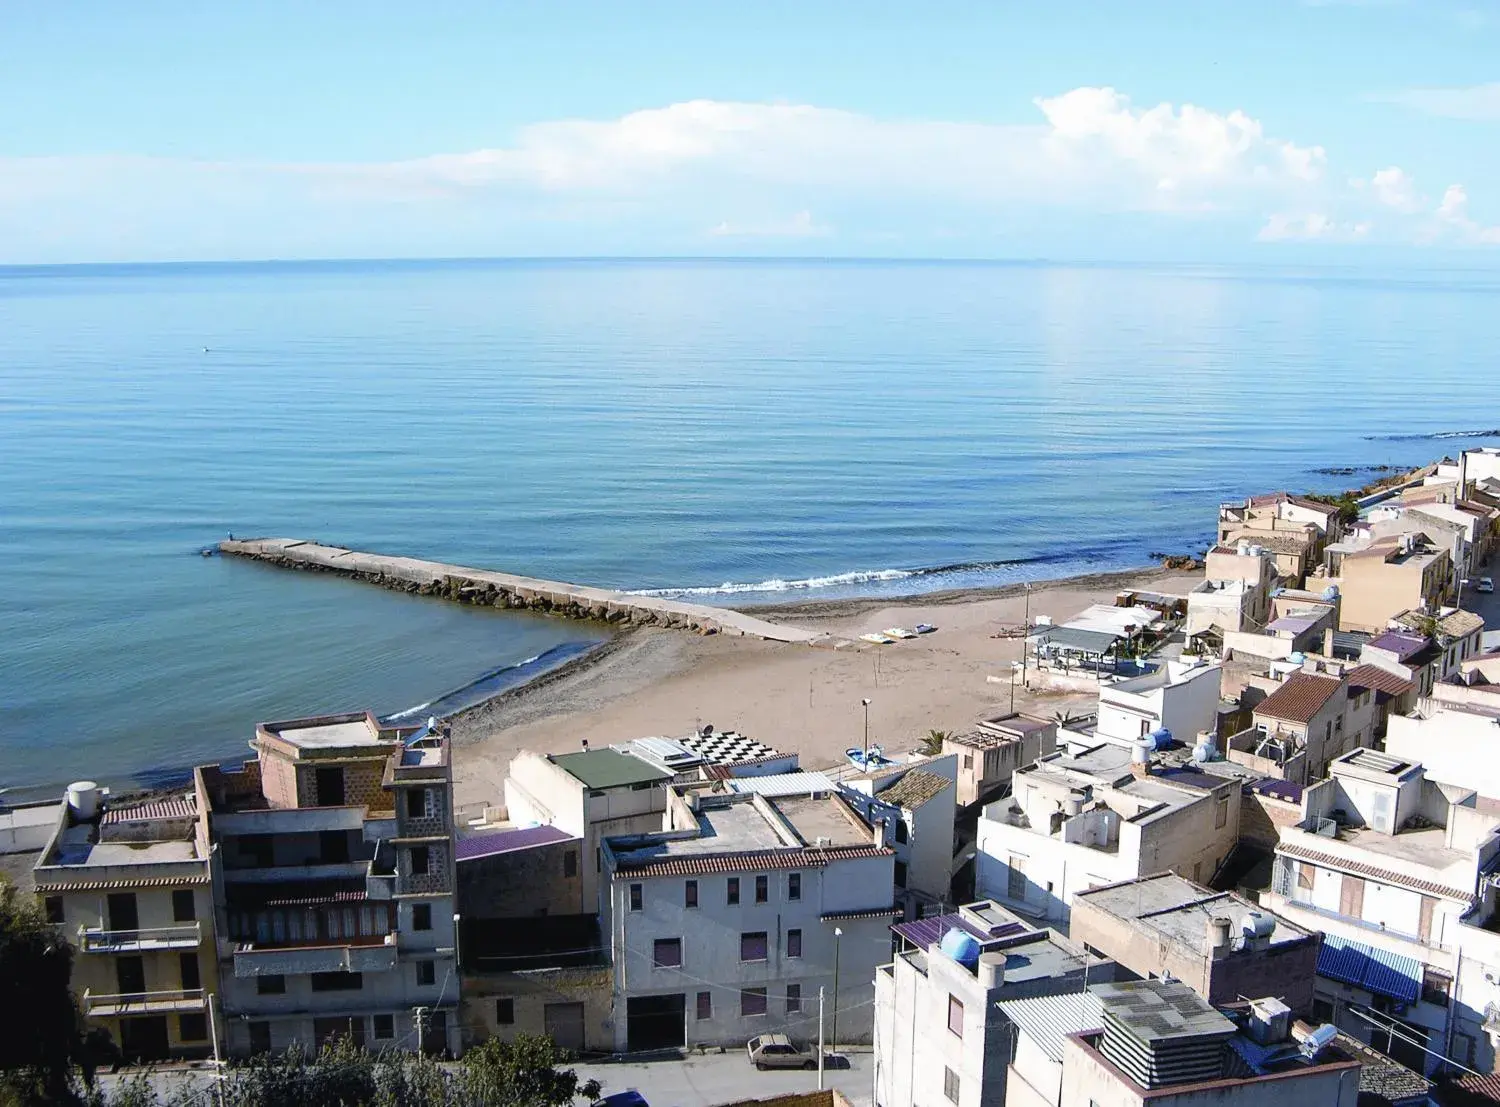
[(932, 745)]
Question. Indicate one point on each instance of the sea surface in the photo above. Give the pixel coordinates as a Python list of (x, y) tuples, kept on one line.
[(737, 431)]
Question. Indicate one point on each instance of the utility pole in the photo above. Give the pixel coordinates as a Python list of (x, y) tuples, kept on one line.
[(838, 933), (820, 1039), (1025, 633), (418, 1021), (866, 703), (213, 1033)]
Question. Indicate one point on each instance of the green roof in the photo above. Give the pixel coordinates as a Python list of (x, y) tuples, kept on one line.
[(599, 769)]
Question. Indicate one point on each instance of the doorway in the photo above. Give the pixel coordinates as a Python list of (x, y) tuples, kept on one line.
[(563, 1023), (656, 1022), (122, 911), (145, 1038)]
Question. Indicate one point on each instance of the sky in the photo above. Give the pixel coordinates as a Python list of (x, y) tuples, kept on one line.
[(1342, 130)]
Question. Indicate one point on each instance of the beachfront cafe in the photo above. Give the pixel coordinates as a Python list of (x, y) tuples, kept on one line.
[(1075, 649)]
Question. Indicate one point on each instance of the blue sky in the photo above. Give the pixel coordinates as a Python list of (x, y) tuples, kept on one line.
[(1274, 129)]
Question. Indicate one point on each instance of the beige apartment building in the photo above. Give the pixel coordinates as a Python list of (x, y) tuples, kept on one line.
[(129, 887), (1389, 576)]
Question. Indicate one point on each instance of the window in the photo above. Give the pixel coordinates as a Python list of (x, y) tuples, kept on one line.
[(901, 834), (794, 886), (426, 973), (753, 946), (333, 847), (273, 984), (956, 1015), (187, 968), (385, 1026), (667, 953), (54, 908), (1322, 1011), (900, 874), (635, 897), (421, 916), (260, 1037), (793, 998), (505, 1012), (705, 1005), (690, 894), (794, 943), (732, 891), (570, 864), (968, 761), (416, 803), (1436, 987), (192, 1028), (1221, 813), (183, 909), (259, 849), (420, 860), (752, 1001), (762, 889), (1015, 878), (337, 981), (950, 1085), (330, 786)]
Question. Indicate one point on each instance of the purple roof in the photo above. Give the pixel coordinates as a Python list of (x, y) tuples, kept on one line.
[(924, 932), (1402, 645), (492, 842), (1293, 624), (1281, 789)]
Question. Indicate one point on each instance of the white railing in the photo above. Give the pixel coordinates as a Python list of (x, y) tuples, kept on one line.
[(98, 939), (136, 1003)]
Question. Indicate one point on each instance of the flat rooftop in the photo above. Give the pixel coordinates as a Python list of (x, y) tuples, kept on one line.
[(1159, 1011), (323, 732), (823, 818), (601, 769), (1172, 908), (75, 848)]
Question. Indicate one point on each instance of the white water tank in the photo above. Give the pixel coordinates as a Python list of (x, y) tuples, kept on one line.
[(1203, 749), (1141, 750), (1242, 547), (83, 799)]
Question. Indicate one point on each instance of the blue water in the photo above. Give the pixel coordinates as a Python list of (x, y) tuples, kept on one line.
[(646, 425)]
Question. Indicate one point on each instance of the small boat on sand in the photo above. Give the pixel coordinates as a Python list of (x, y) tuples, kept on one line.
[(899, 632), (925, 628), (878, 639)]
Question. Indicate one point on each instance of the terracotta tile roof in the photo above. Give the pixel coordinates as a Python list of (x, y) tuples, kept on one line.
[(176, 807), (1276, 543), (1455, 624), (1385, 876), (704, 864), (914, 789), (1299, 698), (1381, 680)]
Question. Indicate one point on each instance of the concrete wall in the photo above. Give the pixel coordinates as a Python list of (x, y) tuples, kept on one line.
[(531, 993), (524, 882)]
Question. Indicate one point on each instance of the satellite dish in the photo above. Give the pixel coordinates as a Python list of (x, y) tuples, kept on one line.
[(707, 731)]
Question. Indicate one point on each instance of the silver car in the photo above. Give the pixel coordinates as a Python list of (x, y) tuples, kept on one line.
[(776, 1051)]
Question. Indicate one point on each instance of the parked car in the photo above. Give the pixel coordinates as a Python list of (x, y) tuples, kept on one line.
[(776, 1051), (632, 1098), (1486, 584)]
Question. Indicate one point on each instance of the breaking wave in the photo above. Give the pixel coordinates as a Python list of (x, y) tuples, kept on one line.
[(498, 680), (1435, 436), (729, 588)]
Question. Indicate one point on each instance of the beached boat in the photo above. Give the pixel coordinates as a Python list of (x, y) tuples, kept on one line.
[(872, 758), (878, 639), (925, 628), (899, 632)]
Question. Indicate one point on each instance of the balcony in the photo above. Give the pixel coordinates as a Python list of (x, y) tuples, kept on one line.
[(99, 940), (107, 1006), (376, 953)]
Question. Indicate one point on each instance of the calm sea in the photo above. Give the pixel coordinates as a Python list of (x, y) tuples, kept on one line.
[(740, 430)]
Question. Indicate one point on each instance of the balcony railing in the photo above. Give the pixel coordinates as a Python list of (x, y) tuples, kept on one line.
[(99, 940), (112, 1005)]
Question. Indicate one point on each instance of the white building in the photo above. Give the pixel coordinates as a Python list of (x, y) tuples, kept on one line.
[(918, 803), (1453, 741), (1386, 861), (725, 924), (996, 748), (1181, 697), (333, 878), (1235, 594), (1076, 822), (938, 1035)]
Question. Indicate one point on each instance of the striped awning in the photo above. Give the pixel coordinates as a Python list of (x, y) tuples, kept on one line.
[(1368, 967)]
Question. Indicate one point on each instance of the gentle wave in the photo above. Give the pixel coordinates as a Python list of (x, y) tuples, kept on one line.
[(1494, 432), (729, 588), (498, 680)]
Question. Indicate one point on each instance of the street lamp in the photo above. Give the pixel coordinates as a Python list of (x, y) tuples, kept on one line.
[(838, 932), (1025, 632), (866, 703)]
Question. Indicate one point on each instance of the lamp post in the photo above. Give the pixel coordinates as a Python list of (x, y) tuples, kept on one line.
[(1025, 633), (866, 703), (838, 933)]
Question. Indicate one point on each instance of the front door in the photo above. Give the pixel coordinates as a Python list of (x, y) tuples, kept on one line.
[(145, 1038), (563, 1023), (122, 912)]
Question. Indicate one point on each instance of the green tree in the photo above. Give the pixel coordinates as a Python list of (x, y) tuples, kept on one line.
[(932, 744), (525, 1072), (43, 1041)]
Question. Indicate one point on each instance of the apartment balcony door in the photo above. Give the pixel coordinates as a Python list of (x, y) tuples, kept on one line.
[(122, 912), (131, 973)]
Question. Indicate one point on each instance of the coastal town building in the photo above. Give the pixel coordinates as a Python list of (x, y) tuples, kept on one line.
[(128, 884), (1234, 595), (1292, 529), (1304, 723), (726, 923), (333, 877), (1458, 633), (938, 1035), (994, 749), (917, 802), (1178, 699), (1218, 943), (1386, 862), (1387, 577), (1453, 741), (1101, 816), (1409, 654), (1162, 1044)]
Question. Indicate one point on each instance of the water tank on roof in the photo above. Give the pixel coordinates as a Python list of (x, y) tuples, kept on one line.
[(1203, 749), (1161, 738), (1297, 657), (1331, 592), (1140, 751), (83, 798), (1257, 925), (960, 946)]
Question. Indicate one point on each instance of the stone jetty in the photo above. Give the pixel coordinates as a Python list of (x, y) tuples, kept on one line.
[(488, 588)]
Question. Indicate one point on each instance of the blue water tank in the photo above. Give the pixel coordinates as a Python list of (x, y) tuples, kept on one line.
[(960, 946), (1161, 737), (1297, 658)]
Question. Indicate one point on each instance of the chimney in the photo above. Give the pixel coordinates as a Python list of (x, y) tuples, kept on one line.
[(1219, 929), (1328, 642)]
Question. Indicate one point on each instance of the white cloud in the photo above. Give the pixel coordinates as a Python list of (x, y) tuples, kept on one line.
[(801, 225), (1395, 188), (1308, 226), (1453, 212), (1477, 102)]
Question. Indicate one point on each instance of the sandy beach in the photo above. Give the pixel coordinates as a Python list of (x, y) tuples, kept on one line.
[(792, 697)]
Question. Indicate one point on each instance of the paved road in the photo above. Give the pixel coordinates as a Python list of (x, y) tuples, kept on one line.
[(724, 1078)]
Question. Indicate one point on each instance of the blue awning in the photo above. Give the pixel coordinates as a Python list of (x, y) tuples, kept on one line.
[(1375, 970)]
